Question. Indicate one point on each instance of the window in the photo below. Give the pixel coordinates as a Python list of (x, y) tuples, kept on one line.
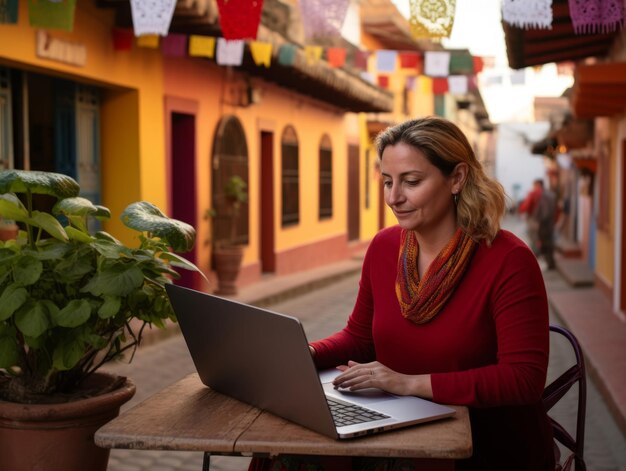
[(326, 179), (290, 214)]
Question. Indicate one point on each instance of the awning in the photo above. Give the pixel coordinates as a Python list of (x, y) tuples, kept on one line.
[(599, 89), (530, 47)]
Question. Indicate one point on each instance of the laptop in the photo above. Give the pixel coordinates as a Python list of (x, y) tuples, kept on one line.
[(262, 358)]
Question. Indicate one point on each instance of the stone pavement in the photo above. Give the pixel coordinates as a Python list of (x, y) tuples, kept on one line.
[(322, 299)]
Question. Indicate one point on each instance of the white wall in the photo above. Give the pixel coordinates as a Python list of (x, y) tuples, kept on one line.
[(516, 165)]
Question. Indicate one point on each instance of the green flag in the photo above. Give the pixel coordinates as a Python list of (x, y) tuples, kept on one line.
[(49, 14)]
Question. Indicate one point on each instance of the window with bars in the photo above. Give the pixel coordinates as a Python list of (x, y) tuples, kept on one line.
[(325, 178), (290, 178)]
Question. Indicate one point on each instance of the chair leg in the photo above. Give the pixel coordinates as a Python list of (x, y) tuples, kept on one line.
[(206, 461)]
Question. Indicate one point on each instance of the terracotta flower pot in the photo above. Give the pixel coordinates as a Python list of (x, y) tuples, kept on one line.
[(59, 437), (227, 265)]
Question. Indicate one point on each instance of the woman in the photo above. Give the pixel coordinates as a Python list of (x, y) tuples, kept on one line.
[(450, 307)]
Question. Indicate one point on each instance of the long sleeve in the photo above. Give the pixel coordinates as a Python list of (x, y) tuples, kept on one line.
[(519, 309)]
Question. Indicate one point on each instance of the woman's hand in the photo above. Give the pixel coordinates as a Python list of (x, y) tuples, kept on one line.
[(356, 376)]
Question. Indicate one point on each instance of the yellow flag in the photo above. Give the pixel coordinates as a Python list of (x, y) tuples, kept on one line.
[(261, 53), (148, 40), (425, 85), (202, 46), (312, 54)]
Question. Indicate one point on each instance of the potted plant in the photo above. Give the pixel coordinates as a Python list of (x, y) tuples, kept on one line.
[(228, 251), (71, 301)]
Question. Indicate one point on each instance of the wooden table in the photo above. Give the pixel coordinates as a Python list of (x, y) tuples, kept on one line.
[(188, 416)]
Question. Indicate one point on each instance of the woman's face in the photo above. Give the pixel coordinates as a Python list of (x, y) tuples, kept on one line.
[(419, 194)]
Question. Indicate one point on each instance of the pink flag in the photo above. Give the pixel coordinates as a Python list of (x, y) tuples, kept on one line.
[(323, 18)]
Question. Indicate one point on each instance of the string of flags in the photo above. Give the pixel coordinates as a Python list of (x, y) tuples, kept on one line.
[(588, 16)]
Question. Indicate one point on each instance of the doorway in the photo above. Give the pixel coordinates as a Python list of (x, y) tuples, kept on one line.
[(266, 221), (183, 182)]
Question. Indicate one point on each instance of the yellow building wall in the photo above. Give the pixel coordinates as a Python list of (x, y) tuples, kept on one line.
[(210, 86), (605, 241), (131, 103)]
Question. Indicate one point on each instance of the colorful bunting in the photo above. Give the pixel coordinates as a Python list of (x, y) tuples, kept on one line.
[(313, 54), (437, 63), (261, 53), (440, 85), (360, 59), (431, 19), (386, 60), (152, 17), (8, 11), (457, 84), (323, 18), (383, 81), (336, 56), (409, 60), (229, 52), (425, 85), (461, 62), (122, 39), (202, 46), (410, 82), (596, 16), (528, 13), (149, 41), (287, 54), (49, 14), (479, 64), (239, 19), (174, 45)]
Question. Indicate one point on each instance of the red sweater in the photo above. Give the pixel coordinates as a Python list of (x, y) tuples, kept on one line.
[(487, 348)]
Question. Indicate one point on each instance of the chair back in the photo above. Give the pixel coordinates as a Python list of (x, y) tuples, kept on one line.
[(553, 393)]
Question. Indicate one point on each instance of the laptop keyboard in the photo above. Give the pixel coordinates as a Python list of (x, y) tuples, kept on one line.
[(350, 414)]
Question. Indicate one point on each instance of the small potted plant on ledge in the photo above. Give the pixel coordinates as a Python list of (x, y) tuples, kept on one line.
[(67, 299), (228, 251)]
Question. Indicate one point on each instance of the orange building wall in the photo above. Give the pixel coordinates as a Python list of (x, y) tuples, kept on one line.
[(311, 242)]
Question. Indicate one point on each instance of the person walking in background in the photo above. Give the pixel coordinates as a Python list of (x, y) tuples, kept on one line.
[(540, 208), (450, 307), (545, 215), (527, 209)]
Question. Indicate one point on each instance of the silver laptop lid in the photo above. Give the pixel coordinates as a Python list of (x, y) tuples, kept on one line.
[(239, 350)]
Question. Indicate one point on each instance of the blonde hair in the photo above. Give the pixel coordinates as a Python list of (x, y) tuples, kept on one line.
[(481, 201)]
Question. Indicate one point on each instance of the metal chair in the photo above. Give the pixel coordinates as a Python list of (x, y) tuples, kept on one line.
[(553, 393)]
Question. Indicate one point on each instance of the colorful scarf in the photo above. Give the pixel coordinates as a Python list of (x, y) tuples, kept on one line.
[(421, 300)]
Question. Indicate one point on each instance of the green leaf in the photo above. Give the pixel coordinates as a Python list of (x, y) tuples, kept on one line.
[(115, 280), (49, 224), (76, 206), (12, 298), (9, 353), (76, 313), (50, 249), (27, 270), (110, 249), (32, 319), (12, 208), (67, 355), (38, 182), (110, 307), (178, 261), (78, 235), (73, 269), (146, 217)]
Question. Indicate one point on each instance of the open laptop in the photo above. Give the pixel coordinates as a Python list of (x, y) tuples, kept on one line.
[(262, 358)]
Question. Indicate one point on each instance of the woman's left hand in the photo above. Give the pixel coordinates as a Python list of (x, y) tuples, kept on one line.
[(356, 376)]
